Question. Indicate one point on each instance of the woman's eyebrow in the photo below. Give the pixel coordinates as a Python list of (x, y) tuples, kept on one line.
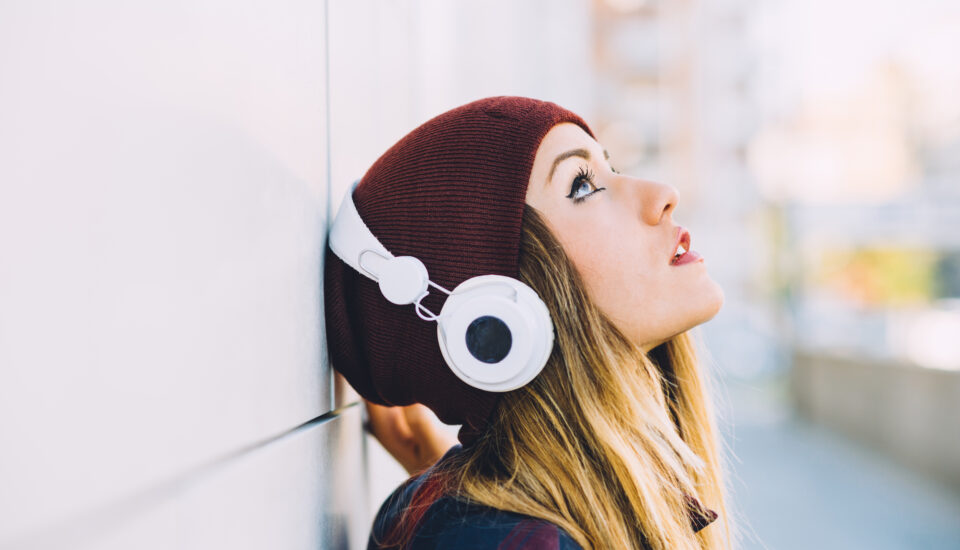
[(582, 153)]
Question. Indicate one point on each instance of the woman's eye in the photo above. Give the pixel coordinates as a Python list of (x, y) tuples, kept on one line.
[(582, 184), (579, 185)]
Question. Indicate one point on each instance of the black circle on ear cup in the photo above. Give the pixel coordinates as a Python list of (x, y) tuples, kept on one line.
[(489, 339)]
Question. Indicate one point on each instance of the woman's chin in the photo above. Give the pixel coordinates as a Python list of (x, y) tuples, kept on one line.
[(712, 302), (718, 299)]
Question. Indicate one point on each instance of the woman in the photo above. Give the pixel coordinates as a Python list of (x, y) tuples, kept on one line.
[(613, 443)]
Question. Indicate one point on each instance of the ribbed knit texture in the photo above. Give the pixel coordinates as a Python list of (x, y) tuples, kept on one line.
[(451, 193)]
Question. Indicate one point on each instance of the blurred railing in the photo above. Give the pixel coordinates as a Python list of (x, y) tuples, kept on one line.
[(911, 413)]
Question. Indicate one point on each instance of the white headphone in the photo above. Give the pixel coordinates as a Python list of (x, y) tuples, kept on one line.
[(495, 333)]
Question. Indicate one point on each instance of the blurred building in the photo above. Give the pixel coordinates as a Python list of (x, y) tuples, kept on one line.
[(856, 153)]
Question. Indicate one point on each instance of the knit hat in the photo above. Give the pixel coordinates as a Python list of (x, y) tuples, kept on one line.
[(451, 193)]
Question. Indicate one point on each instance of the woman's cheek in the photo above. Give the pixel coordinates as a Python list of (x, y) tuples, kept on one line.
[(585, 250)]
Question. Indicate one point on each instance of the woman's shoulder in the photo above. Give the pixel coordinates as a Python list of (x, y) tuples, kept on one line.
[(450, 522)]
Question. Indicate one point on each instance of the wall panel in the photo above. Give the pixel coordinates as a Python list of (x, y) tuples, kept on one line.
[(163, 203), (297, 492)]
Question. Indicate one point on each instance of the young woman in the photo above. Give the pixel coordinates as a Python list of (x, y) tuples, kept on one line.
[(613, 444)]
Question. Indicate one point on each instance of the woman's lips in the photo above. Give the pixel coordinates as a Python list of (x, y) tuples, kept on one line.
[(687, 257), (690, 256)]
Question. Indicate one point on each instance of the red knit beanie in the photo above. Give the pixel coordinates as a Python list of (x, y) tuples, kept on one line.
[(450, 193)]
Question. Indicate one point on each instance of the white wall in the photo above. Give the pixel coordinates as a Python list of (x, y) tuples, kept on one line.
[(167, 171), (162, 214)]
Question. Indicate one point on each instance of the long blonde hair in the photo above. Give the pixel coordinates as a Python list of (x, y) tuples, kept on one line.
[(607, 442)]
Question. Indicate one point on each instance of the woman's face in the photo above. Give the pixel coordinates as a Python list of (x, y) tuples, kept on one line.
[(620, 234)]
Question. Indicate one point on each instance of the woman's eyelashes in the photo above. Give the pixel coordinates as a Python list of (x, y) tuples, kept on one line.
[(583, 181)]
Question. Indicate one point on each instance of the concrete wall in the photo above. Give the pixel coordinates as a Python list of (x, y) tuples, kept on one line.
[(167, 173), (908, 412)]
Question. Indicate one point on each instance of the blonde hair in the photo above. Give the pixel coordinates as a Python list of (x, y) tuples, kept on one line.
[(607, 442)]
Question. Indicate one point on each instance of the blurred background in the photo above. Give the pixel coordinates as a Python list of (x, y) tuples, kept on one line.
[(168, 171)]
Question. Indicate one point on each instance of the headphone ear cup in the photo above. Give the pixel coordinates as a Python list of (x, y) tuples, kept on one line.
[(495, 333)]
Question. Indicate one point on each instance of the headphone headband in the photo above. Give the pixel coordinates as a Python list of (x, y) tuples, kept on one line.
[(350, 237)]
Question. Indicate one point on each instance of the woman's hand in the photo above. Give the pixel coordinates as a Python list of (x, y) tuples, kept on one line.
[(412, 434)]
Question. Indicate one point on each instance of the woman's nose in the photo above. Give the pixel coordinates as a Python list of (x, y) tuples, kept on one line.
[(657, 200)]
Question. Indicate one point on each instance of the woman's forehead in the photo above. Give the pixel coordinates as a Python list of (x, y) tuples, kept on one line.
[(565, 139)]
